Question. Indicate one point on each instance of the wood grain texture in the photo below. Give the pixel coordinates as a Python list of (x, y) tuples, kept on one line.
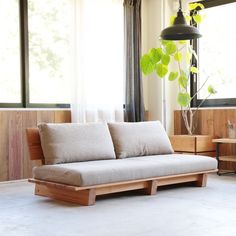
[(228, 158), (45, 116), (14, 155), (183, 143), (163, 180), (209, 154), (15, 159), (202, 180), (83, 197), (34, 144), (151, 187), (62, 117), (120, 187), (4, 141), (224, 140), (87, 195), (227, 166), (192, 143), (204, 143), (211, 122), (29, 118), (178, 123)]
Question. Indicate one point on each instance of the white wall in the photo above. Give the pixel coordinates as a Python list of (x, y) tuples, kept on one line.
[(156, 15), (151, 27)]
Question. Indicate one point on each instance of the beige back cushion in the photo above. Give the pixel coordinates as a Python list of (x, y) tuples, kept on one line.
[(63, 143), (139, 139)]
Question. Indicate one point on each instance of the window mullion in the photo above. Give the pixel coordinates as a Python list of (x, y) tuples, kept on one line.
[(23, 7)]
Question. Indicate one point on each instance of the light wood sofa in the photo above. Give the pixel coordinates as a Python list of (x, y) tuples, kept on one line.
[(73, 181)]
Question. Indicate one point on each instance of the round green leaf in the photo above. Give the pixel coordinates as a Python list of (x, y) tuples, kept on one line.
[(178, 56), (200, 5), (173, 76), (172, 19), (183, 80), (170, 48), (161, 70), (155, 54), (147, 65), (183, 99), (194, 69), (165, 59), (193, 6), (164, 42), (197, 18), (182, 41), (211, 90)]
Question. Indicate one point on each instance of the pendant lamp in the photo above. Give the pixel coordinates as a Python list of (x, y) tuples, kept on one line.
[(180, 30)]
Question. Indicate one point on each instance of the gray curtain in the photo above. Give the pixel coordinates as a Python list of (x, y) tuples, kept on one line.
[(134, 106)]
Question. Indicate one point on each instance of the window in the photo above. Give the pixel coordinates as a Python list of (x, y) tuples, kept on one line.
[(35, 53), (10, 83), (216, 50), (49, 51)]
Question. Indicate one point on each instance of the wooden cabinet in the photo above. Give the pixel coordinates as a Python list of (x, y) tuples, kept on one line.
[(193, 144)]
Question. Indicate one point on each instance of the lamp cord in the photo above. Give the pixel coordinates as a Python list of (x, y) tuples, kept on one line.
[(180, 5)]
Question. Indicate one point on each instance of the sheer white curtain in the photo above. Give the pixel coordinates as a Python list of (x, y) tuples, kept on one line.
[(98, 93)]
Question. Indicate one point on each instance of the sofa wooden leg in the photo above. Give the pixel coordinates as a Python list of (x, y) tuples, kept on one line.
[(82, 197), (151, 187), (202, 180)]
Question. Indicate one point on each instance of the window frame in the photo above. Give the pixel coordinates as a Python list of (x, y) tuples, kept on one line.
[(221, 102), (24, 65)]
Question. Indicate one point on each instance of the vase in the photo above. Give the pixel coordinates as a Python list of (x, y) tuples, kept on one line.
[(231, 133)]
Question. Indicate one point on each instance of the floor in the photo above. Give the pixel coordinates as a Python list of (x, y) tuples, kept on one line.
[(179, 211)]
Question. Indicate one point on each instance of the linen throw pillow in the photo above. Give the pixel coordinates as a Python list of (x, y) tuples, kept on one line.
[(72, 142), (139, 139)]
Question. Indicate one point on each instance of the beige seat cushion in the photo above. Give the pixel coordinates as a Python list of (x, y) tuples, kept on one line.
[(63, 143), (139, 139), (109, 171)]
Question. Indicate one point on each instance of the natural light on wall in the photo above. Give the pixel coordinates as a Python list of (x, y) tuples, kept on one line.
[(217, 51)]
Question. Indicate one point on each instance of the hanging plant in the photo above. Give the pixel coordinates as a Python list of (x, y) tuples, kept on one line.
[(160, 60)]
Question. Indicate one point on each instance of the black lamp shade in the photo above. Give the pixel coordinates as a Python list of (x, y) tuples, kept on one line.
[(180, 30)]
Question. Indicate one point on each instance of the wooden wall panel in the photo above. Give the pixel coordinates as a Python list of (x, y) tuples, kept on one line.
[(14, 156), (205, 124), (62, 117), (212, 122), (45, 116), (177, 124)]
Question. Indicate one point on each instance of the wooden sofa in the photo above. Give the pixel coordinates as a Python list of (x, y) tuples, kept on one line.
[(86, 195)]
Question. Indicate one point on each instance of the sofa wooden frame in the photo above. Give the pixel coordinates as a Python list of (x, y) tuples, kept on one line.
[(87, 195)]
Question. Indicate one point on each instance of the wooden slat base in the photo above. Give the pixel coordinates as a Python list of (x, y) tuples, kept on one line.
[(151, 188), (202, 180), (83, 197), (87, 195)]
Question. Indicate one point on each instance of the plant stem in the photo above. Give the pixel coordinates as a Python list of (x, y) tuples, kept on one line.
[(200, 88), (201, 103), (187, 116), (187, 122), (179, 66)]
